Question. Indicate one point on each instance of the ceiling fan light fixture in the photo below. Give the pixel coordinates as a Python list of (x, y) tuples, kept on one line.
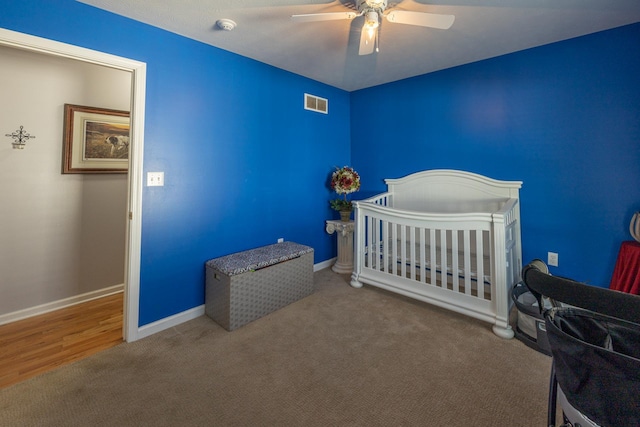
[(371, 20)]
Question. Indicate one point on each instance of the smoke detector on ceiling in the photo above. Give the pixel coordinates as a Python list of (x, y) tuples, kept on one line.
[(226, 24)]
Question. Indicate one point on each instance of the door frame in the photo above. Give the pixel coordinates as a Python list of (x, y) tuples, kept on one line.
[(138, 70)]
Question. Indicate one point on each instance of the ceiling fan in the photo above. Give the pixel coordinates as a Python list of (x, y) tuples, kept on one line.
[(373, 11)]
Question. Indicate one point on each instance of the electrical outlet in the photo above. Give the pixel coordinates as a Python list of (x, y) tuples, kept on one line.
[(552, 259), (155, 179), (280, 240)]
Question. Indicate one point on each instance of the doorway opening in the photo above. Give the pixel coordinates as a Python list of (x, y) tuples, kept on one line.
[(137, 71)]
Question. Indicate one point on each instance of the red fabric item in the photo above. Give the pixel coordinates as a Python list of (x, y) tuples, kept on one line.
[(626, 275)]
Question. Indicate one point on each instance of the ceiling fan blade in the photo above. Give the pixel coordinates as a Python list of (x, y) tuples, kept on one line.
[(331, 16), (367, 41), (432, 20)]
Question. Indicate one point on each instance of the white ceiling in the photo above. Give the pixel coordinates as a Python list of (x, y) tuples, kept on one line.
[(328, 51)]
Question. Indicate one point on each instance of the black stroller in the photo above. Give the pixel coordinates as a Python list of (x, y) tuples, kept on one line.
[(594, 336)]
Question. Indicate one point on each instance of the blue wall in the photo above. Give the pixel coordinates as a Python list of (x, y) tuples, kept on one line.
[(564, 118), (244, 163)]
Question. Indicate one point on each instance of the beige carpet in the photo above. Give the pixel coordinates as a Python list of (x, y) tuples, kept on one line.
[(341, 357)]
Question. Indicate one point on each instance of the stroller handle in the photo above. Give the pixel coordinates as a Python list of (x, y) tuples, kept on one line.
[(600, 300)]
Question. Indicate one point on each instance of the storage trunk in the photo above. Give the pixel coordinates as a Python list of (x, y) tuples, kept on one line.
[(245, 286)]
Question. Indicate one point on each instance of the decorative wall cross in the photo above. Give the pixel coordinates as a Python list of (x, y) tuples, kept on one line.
[(20, 137)]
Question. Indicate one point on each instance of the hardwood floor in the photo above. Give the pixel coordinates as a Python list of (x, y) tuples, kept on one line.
[(39, 344)]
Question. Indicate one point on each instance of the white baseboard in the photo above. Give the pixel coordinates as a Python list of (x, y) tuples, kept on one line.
[(169, 322), (185, 316), (324, 264), (56, 305), (143, 331)]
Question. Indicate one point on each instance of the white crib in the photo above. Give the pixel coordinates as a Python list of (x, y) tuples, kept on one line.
[(446, 237)]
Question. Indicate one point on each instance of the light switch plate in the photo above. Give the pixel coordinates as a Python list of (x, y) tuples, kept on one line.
[(155, 179)]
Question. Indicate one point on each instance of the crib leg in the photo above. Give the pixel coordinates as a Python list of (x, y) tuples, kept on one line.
[(355, 282), (503, 331)]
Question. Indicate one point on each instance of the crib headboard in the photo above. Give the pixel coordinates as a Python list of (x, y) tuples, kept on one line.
[(450, 191)]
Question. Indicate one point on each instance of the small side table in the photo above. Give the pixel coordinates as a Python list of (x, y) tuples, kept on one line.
[(344, 229)]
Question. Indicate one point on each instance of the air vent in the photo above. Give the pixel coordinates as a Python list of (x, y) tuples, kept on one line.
[(315, 103)]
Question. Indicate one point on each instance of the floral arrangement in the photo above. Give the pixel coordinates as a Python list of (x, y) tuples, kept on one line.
[(344, 181)]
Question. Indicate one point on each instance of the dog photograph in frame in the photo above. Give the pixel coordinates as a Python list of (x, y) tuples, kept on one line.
[(96, 140)]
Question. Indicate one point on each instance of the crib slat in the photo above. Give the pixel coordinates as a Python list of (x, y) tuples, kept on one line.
[(432, 258), (443, 259), (467, 262), (394, 248), (455, 262), (412, 252), (480, 263), (370, 245), (422, 242), (379, 231), (385, 246), (369, 232), (376, 242), (403, 250)]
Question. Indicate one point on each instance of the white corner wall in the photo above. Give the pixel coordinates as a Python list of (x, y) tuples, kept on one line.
[(60, 235)]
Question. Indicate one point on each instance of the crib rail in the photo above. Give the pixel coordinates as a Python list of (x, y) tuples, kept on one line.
[(445, 259), (452, 252), (383, 199)]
